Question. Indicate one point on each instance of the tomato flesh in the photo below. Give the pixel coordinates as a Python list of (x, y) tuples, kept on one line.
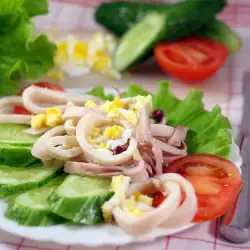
[(192, 59), (20, 110), (216, 182), (159, 198)]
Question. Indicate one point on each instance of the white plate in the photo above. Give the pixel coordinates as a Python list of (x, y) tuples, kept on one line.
[(91, 235)]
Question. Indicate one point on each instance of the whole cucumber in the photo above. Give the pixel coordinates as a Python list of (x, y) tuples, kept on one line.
[(119, 17), (220, 32), (184, 18)]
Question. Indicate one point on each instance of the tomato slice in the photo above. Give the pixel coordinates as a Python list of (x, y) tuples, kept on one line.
[(216, 182), (20, 110), (23, 111), (192, 59), (159, 198)]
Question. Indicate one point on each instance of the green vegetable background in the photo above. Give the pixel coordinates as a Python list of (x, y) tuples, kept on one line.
[(22, 54)]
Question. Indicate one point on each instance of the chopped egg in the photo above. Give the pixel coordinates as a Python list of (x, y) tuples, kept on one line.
[(113, 144), (118, 103), (143, 198), (78, 57), (38, 121), (102, 145), (96, 132), (119, 186), (111, 106), (135, 200), (131, 206), (53, 117), (114, 131), (137, 204), (116, 109), (90, 104), (129, 115), (109, 138), (139, 102)]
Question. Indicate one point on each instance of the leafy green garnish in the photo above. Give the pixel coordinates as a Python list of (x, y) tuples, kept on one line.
[(99, 91), (208, 130), (36, 8), (134, 90), (21, 53)]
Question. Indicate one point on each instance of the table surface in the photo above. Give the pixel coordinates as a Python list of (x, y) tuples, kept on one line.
[(224, 89)]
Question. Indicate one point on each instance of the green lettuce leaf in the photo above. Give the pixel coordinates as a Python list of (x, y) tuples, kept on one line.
[(99, 91), (209, 131), (36, 8), (22, 54), (134, 90)]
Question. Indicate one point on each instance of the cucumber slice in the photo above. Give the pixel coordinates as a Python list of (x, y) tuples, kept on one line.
[(32, 208), (16, 156), (14, 134), (18, 180), (79, 198), (139, 40)]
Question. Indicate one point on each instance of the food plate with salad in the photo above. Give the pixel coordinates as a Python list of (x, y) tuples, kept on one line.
[(112, 167)]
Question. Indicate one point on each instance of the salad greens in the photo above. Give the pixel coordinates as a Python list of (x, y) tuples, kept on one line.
[(22, 54), (100, 92), (134, 90), (35, 8), (208, 130)]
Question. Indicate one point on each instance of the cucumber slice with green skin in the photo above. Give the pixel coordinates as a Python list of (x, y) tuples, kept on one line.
[(139, 41), (32, 208), (79, 199), (18, 180), (13, 134), (16, 156)]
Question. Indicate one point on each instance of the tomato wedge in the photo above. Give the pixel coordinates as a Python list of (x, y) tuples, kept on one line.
[(216, 181), (158, 198), (192, 59), (23, 111)]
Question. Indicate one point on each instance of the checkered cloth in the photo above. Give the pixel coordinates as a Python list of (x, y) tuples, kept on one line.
[(226, 89)]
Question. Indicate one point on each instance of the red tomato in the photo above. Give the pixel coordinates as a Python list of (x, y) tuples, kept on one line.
[(192, 59), (21, 110), (216, 182), (159, 198)]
